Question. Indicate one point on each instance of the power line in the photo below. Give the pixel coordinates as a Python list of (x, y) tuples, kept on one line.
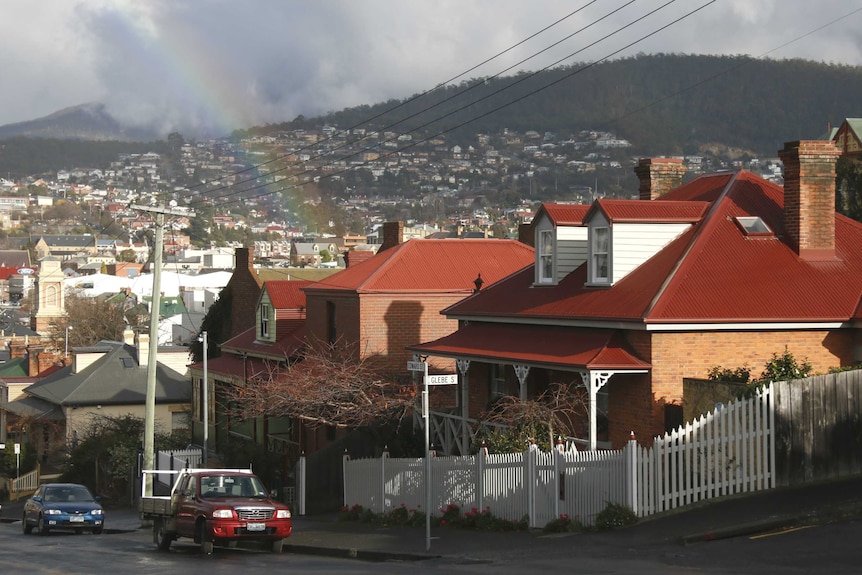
[(502, 106), (474, 102), (416, 97)]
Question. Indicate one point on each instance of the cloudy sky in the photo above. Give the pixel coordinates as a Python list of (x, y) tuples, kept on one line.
[(228, 64)]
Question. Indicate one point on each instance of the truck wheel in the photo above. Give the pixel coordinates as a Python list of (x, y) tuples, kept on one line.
[(231, 543), (160, 536), (204, 538), (277, 545)]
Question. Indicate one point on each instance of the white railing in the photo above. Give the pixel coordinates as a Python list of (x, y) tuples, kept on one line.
[(175, 460), (730, 450), (24, 485)]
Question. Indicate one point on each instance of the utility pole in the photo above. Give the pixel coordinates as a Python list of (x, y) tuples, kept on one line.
[(152, 359), (206, 398)]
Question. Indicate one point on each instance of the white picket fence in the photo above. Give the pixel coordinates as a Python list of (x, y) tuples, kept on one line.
[(730, 450)]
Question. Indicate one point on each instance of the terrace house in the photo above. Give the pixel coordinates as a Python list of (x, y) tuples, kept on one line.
[(627, 298)]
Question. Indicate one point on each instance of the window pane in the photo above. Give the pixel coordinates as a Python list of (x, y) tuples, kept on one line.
[(601, 243)]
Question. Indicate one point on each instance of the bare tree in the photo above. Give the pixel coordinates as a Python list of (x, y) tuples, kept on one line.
[(559, 410), (326, 387), (94, 319)]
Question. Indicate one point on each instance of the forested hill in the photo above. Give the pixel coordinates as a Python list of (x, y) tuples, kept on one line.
[(664, 104)]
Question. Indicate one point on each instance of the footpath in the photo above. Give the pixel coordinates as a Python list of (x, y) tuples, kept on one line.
[(733, 516)]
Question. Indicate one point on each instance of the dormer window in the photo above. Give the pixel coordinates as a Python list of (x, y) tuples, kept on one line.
[(600, 247), (546, 256), (264, 320)]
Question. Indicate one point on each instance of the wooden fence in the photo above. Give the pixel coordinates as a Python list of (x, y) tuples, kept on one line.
[(818, 427), (729, 450)]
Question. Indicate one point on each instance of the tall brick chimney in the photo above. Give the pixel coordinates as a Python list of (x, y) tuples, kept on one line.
[(658, 176), (393, 234), (809, 197)]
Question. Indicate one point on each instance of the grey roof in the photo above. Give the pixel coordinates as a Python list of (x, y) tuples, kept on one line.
[(114, 379), (80, 241), (14, 258), (33, 406)]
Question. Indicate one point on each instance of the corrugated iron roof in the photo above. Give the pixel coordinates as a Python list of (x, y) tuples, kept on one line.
[(564, 214), (713, 273), (287, 294), (536, 344), (644, 211), (428, 265)]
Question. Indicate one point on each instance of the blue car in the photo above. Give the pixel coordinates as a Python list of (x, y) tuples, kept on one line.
[(66, 506)]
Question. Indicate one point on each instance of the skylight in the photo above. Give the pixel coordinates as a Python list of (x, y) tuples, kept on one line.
[(753, 226)]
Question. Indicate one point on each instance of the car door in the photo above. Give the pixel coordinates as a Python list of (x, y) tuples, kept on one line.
[(186, 505), (33, 505)]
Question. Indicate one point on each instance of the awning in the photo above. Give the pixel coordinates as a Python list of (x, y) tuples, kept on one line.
[(546, 346)]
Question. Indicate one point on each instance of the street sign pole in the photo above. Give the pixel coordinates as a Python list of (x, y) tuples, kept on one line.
[(428, 380), (427, 420)]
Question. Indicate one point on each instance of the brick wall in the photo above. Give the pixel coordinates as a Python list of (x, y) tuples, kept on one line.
[(637, 403)]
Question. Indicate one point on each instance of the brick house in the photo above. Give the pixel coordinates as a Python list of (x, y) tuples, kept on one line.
[(378, 305), (393, 299), (628, 297)]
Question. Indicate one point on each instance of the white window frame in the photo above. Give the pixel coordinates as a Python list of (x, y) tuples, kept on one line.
[(600, 253), (264, 320), (545, 254)]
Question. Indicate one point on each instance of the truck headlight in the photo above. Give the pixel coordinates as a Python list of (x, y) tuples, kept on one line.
[(223, 513), (282, 513)]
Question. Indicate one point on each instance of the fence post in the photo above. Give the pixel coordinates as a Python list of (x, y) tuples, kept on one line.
[(559, 477), (383, 457), (300, 484), (530, 479), (482, 461), (630, 455), (345, 457)]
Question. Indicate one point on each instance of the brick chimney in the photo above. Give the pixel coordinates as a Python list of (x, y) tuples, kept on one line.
[(526, 235), (353, 257), (809, 197), (658, 176), (393, 234)]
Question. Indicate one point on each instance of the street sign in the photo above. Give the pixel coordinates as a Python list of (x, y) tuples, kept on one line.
[(443, 379), (416, 366)]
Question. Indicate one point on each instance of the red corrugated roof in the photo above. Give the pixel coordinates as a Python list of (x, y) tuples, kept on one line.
[(564, 214), (287, 294), (644, 211), (428, 265), (536, 344), (290, 338), (713, 273)]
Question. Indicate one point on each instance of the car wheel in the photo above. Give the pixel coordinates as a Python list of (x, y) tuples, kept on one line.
[(277, 545), (27, 528), (97, 530), (163, 540), (41, 527)]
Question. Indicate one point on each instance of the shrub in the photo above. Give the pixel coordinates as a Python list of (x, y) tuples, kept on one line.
[(615, 515), (563, 524), (450, 516)]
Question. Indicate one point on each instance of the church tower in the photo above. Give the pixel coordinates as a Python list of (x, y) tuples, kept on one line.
[(50, 303)]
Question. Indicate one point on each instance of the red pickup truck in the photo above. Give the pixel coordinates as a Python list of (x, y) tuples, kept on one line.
[(217, 507)]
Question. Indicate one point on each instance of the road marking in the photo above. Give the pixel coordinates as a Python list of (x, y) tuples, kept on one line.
[(782, 532)]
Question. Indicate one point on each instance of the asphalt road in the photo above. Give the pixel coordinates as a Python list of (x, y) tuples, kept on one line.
[(822, 548)]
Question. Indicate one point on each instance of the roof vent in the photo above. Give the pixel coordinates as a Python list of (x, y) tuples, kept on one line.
[(754, 226)]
